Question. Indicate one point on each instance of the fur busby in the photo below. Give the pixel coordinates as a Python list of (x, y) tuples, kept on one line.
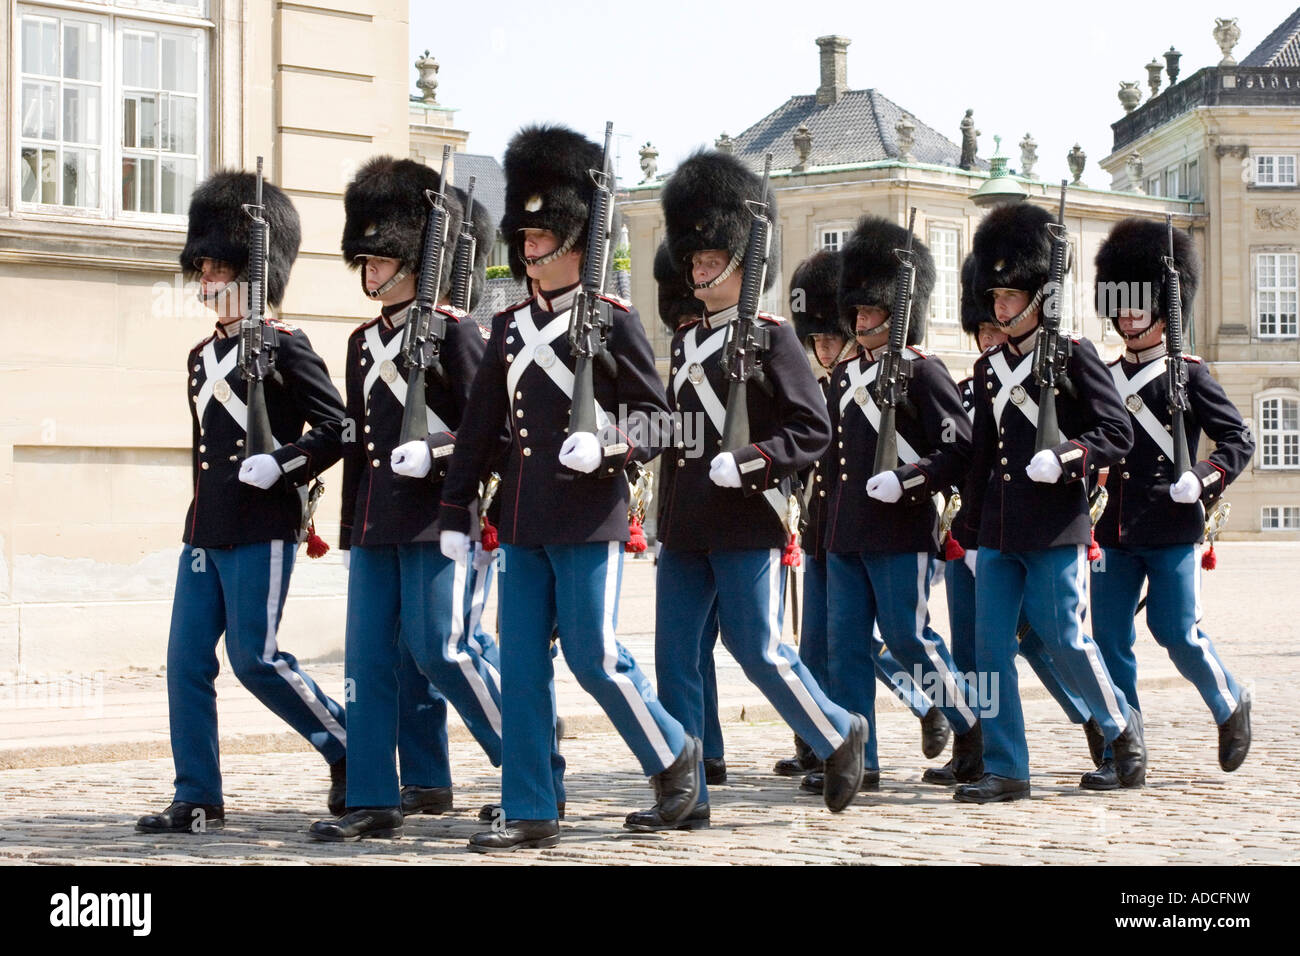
[(1132, 257), (677, 302), (218, 228), (548, 186), (704, 208), (1012, 249), (813, 287), (869, 269), (975, 305), (485, 235), (385, 211)]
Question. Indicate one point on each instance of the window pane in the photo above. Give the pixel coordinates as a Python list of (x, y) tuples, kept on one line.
[(130, 60), (81, 51), (49, 48), (177, 185), (148, 122), (80, 114), (149, 61), (185, 131), (138, 184), (1290, 416), (130, 122), (80, 177)]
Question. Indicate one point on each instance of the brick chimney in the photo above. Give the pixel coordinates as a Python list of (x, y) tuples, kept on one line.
[(834, 67)]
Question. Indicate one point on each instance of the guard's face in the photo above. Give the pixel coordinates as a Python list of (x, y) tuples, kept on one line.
[(989, 335), (213, 274), (379, 269), (708, 264), (1008, 303), (871, 329), (217, 288), (827, 347), (1139, 331), (539, 242)]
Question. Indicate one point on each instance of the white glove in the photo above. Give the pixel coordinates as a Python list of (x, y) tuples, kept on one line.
[(885, 487), (347, 560), (969, 558), (260, 471), (581, 452), (454, 546), (1044, 467), (723, 471), (1187, 489), (412, 460)]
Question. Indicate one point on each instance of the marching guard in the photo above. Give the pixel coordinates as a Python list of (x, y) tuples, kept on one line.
[(725, 518), (882, 529), (1154, 526), (564, 518), (246, 517), (1027, 512)]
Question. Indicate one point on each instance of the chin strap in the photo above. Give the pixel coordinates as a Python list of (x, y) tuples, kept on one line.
[(1011, 324), (398, 276), (721, 277), (563, 249)]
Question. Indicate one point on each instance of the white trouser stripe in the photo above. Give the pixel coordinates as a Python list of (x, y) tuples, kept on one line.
[(281, 666), (609, 662), (792, 681), (936, 659), (1089, 645), (461, 658)]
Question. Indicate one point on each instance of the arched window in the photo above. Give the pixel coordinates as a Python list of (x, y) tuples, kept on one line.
[(1279, 430)]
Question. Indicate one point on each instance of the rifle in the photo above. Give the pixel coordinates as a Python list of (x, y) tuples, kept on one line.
[(462, 263), (590, 319), (425, 326), (257, 339), (1052, 351), (1175, 367), (891, 381), (745, 339)]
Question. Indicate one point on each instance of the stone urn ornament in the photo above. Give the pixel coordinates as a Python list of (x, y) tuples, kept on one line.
[(649, 162), (1153, 76), (1130, 95), (1075, 160), (1226, 34), (1028, 156), (803, 146), (428, 81), (906, 130), (724, 143), (1172, 57)]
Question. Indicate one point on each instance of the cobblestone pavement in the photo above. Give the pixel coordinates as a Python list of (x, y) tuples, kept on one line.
[(1189, 812)]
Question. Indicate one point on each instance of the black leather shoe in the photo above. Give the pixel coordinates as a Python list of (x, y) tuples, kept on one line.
[(1130, 752), (715, 770), (1096, 741), (337, 801), (677, 791), (804, 761), (182, 817), (934, 733), (815, 782), (940, 776), (992, 789), (1234, 735), (1103, 778), (649, 821), (433, 800), (380, 823), (843, 773), (968, 755), (492, 811), (517, 835)]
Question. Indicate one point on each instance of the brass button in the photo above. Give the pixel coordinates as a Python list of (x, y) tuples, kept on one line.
[(844, 477), (374, 463), (1125, 476), (234, 458), (370, 446), (194, 381), (999, 444), (1004, 461), (821, 494), (196, 368), (523, 433), (681, 463), (519, 395), (519, 413), (203, 448), (239, 443), (527, 452), (841, 444), (843, 461), (363, 361), (1160, 457), (367, 429), (1006, 477), (510, 358), (204, 466)]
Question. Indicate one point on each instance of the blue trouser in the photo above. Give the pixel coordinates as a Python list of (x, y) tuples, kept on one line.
[(889, 595), (714, 747), (240, 591), (747, 587), (1051, 584), (960, 583), (409, 594), (1173, 574), (575, 587), (812, 642)]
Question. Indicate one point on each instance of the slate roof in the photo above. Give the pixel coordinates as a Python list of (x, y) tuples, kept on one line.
[(857, 128), (489, 183), (1281, 47)]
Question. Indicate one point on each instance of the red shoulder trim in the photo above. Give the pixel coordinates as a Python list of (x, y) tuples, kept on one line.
[(452, 313), (516, 306), (625, 306)]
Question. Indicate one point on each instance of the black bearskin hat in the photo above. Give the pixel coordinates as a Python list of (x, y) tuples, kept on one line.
[(974, 304), (1012, 249), (869, 269), (385, 211), (219, 228), (677, 302), (812, 295), (704, 208), (1132, 257), (548, 186), (484, 238)]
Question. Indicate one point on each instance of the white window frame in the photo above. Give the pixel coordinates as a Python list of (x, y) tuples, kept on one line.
[(113, 17), (1262, 435), (1287, 518), (1192, 178), (842, 229), (1155, 185), (1286, 328), (1173, 182), (1274, 169), (945, 275)]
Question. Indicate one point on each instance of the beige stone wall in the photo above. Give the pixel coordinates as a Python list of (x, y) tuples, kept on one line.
[(94, 429)]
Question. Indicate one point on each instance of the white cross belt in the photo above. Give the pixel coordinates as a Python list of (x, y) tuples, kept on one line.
[(1007, 382), (380, 353), (1145, 417), (531, 339), (862, 378)]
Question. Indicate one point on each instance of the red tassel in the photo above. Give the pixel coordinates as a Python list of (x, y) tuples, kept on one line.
[(637, 542), (952, 550), (317, 547), (792, 556), (1094, 549), (490, 541), (1209, 560)]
